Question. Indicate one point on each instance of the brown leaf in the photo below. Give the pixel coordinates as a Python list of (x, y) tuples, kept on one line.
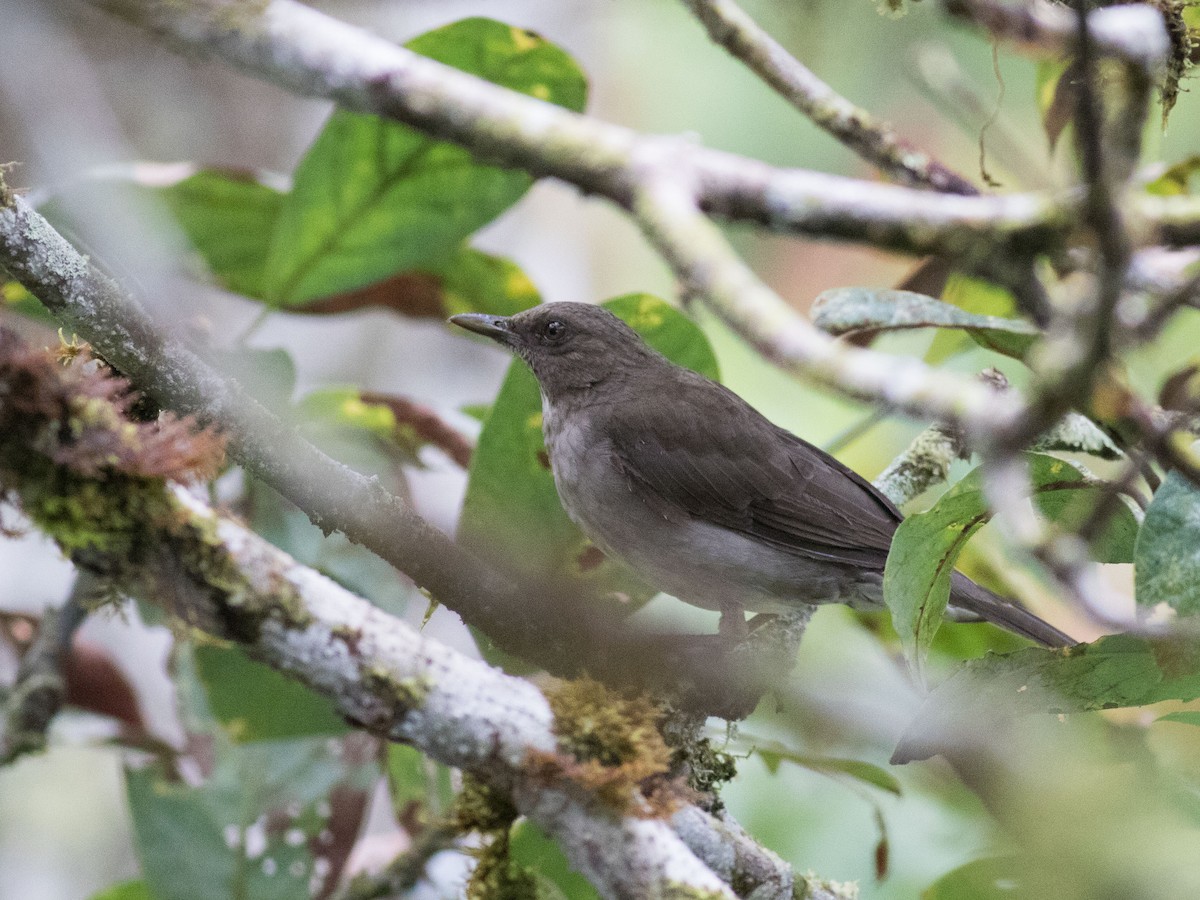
[(416, 294)]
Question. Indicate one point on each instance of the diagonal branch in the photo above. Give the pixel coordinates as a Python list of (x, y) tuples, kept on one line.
[(712, 273), (556, 629), (728, 25), (312, 54), (64, 442)]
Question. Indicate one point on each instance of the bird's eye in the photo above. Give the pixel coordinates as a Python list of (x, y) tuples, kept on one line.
[(554, 330)]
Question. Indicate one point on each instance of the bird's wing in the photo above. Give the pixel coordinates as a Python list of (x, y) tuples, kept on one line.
[(696, 449)]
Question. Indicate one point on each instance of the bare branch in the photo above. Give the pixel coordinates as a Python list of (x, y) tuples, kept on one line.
[(729, 26), (40, 689), (312, 54), (1133, 32), (712, 273)]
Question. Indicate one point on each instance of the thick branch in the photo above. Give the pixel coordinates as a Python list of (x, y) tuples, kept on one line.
[(733, 29), (551, 628), (312, 54), (93, 481)]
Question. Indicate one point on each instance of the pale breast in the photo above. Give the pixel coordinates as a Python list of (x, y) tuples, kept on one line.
[(702, 563)]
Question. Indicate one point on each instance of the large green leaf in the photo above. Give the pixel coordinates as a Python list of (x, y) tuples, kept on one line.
[(1167, 558), (849, 310), (473, 281), (256, 703), (916, 580), (372, 197), (229, 218), (512, 513), (1116, 671)]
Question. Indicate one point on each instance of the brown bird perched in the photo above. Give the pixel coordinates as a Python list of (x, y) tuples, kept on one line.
[(693, 489)]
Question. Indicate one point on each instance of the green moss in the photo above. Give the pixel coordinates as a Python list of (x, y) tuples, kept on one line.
[(593, 722), (611, 744), (708, 768), (409, 693), (497, 877), (676, 891), (480, 807)]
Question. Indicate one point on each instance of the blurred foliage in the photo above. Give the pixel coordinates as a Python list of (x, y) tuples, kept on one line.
[(1048, 801), (916, 582), (262, 815), (857, 310), (1167, 562)]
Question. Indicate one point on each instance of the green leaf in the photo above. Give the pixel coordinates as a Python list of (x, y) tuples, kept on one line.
[(994, 878), (1116, 671), (416, 780), (268, 375), (372, 197), (344, 407), (1184, 716), (847, 310), (1177, 179), (916, 579), (1167, 557), (973, 295), (473, 281), (773, 753), (127, 890), (529, 848), (251, 826), (16, 299), (247, 830), (229, 218), (256, 703), (512, 513), (1057, 95)]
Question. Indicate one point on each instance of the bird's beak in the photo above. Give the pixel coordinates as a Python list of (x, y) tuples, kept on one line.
[(498, 328)]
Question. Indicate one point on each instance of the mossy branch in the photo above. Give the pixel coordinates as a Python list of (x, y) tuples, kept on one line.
[(102, 487)]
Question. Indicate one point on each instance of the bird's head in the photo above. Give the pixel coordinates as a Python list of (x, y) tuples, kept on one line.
[(569, 346)]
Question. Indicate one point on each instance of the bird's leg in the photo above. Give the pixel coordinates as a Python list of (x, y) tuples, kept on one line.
[(732, 626)]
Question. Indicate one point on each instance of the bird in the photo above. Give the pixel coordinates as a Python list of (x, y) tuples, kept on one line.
[(698, 493)]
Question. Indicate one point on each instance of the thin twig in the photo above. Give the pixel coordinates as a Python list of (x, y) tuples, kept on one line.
[(728, 25), (712, 273), (40, 689)]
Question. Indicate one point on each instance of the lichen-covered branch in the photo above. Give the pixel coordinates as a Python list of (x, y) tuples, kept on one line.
[(730, 26), (40, 688), (98, 485), (313, 54), (563, 634), (925, 463)]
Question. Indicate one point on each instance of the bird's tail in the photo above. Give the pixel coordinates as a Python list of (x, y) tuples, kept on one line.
[(973, 598)]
